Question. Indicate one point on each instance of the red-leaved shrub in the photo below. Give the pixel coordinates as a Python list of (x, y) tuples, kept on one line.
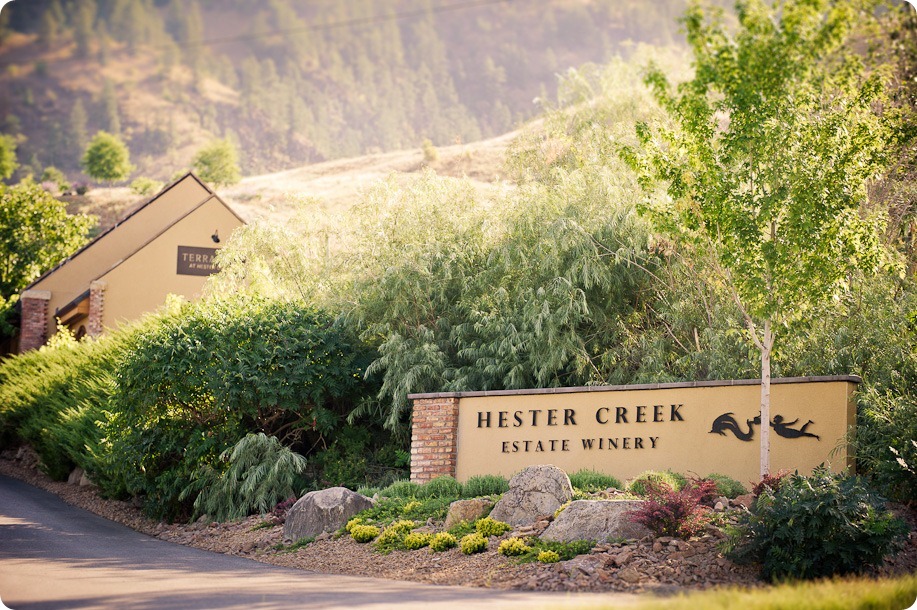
[(770, 481), (679, 514)]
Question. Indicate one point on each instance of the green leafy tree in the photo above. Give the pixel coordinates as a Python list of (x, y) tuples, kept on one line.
[(107, 158), (8, 162), (767, 166), (218, 163), (36, 233)]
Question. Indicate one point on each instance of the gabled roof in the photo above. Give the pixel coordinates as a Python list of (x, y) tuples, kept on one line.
[(140, 245)]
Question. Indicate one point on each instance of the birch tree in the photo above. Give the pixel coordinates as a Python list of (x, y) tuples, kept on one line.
[(776, 138)]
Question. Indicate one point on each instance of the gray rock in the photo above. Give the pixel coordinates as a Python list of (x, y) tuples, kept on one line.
[(86, 481), (467, 510), (327, 510), (533, 492), (597, 520), (75, 476)]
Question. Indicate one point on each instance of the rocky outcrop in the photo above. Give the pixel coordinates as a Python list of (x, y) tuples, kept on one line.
[(596, 520), (467, 510), (327, 510), (534, 492)]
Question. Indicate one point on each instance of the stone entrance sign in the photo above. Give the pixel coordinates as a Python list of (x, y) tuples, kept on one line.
[(693, 428)]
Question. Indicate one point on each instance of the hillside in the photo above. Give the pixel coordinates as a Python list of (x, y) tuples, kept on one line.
[(333, 185), (293, 83)]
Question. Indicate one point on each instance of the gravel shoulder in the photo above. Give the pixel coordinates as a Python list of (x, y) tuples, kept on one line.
[(661, 566)]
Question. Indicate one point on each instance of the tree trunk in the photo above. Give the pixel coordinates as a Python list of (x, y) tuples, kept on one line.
[(766, 344)]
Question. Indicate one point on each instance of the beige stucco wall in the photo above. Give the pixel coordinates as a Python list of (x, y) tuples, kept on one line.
[(142, 281), (680, 439), (73, 278)]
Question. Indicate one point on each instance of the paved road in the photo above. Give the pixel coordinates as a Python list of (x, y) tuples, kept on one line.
[(53, 555)]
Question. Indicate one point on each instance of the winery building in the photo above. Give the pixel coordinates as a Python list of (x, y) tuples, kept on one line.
[(165, 246)]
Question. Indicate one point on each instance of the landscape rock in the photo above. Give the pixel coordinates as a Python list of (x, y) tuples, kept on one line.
[(75, 476), (746, 501), (467, 510), (321, 511), (533, 493), (598, 520), (86, 481)]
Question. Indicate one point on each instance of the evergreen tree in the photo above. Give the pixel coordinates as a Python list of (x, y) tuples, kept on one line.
[(110, 119), (84, 21), (76, 135), (8, 162)]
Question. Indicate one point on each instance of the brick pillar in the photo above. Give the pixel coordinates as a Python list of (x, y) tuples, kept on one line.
[(34, 326), (96, 307), (434, 432)]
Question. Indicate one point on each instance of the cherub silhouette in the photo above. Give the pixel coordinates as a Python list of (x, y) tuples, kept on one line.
[(783, 428)]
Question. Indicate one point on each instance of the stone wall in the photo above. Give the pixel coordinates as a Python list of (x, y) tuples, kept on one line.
[(433, 438)]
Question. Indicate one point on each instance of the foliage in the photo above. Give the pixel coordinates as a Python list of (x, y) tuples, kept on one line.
[(391, 509), (442, 541), (473, 543), (358, 455), (416, 540), (440, 487), (488, 527), (484, 485), (667, 512), (218, 164), (564, 551), (57, 177), (352, 523), (644, 483), (8, 162), (513, 547), (817, 526), (726, 486), (281, 508), (591, 481), (145, 187), (259, 472), (430, 154), (203, 375), (548, 556), (36, 233), (674, 512), (887, 425), (53, 399), (828, 594), (107, 158), (364, 533), (766, 173), (769, 482), (400, 489)]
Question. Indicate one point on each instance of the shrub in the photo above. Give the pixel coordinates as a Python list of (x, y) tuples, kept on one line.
[(727, 486), (352, 524), (145, 186), (280, 509), (591, 481), (369, 492), (417, 540), (770, 481), (513, 547), (440, 487), (667, 512), (442, 541), (817, 526), (886, 427), (390, 539), (364, 533), (488, 527), (484, 485), (402, 526), (653, 478), (548, 557), (473, 543), (259, 472), (400, 489), (461, 528)]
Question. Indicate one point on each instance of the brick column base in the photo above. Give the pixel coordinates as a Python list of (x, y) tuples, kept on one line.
[(34, 326), (434, 433), (96, 306)]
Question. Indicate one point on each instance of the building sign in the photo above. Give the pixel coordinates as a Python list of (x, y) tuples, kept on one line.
[(196, 261), (693, 428)]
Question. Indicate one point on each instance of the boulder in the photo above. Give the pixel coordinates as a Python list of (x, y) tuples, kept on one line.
[(327, 510), (75, 476), (597, 520), (85, 481), (467, 510), (534, 492)]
